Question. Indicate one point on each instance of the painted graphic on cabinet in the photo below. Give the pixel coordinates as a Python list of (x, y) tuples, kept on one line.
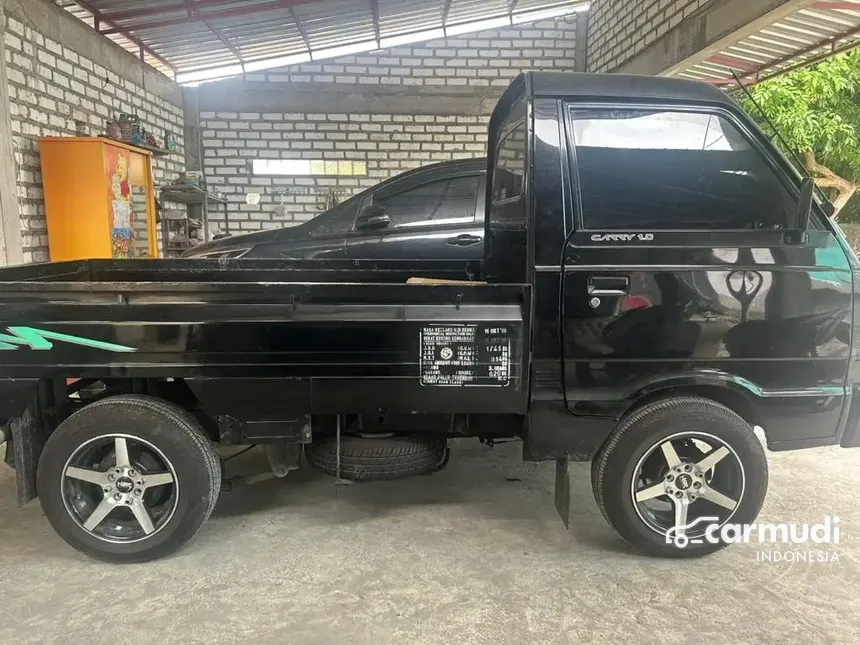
[(122, 215)]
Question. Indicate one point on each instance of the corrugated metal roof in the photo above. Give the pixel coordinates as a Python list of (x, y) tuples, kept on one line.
[(801, 38), (469, 10), (397, 17), (201, 39)]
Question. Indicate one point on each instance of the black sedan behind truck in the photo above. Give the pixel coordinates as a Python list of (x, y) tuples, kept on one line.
[(434, 213), (658, 280)]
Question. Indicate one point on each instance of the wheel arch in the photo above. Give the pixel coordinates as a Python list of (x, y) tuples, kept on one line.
[(33, 408), (737, 394)]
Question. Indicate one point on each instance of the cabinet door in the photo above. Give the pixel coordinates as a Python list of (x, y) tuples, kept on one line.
[(129, 187)]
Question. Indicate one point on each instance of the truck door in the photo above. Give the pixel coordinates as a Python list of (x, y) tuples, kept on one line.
[(680, 272)]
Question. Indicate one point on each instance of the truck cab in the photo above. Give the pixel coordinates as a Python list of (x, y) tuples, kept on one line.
[(659, 228), (658, 282)]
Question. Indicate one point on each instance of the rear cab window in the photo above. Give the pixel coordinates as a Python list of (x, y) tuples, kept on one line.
[(510, 164), (506, 195), (505, 226)]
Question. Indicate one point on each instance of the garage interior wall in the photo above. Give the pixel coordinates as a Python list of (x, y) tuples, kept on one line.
[(618, 30), (60, 73), (392, 110)]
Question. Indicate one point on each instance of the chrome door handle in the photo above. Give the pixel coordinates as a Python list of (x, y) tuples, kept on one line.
[(464, 240), (608, 285)]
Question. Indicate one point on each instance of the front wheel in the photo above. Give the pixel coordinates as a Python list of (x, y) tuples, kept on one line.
[(128, 478), (675, 472)]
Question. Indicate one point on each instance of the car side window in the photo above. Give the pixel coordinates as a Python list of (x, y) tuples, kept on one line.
[(679, 170), (445, 201)]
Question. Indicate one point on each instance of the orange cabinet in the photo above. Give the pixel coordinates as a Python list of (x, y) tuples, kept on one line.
[(99, 199)]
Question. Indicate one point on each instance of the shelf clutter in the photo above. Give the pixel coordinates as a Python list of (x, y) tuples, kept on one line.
[(190, 194), (127, 128), (184, 229)]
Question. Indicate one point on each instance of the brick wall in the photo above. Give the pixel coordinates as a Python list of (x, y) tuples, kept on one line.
[(50, 88), (481, 59), (619, 29), (390, 142)]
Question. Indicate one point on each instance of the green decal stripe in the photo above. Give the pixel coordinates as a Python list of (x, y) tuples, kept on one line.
[(27, 336), (40, 339)]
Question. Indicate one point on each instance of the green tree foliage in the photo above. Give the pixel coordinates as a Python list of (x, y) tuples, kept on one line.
[(817, 111)]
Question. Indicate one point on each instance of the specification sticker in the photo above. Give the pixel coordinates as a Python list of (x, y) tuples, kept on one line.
[(466, 355)]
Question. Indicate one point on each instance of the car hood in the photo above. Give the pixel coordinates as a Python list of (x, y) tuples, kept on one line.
[(244, 241)]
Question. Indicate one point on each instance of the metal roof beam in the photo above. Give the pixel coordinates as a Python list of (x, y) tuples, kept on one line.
[(446, 8), (837, 6), (719, 27), (832, 44), (99, 18), (733, 63), (302, 31), (374, 9), (153, 11), (213, 15), (193, 11)]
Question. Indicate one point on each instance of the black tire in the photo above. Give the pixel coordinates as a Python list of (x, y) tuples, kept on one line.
[(614, 467), (385, 458), (169, 428)]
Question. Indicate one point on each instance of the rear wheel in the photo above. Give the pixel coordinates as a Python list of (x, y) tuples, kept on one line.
[(673, 469), (128, 478)]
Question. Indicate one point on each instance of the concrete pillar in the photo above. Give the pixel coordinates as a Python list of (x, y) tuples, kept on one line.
[(581, 59), (191, 131), (708, 31), (10, 219)]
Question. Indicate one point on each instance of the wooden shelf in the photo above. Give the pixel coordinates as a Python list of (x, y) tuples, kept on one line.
[(190, 222), (188, 194), (156, 151)]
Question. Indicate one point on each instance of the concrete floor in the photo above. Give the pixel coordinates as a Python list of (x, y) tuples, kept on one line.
[(475, 554)]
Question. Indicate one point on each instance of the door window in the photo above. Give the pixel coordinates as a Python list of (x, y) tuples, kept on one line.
[(446, 201), (659, 169)]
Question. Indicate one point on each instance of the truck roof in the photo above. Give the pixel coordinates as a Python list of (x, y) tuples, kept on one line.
[(598, 88), (602, 86)]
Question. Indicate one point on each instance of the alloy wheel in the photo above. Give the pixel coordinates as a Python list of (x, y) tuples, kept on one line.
[(686, 482), (119, 488)]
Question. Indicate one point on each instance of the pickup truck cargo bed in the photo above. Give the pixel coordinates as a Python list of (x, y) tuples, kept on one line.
[(334, 346)]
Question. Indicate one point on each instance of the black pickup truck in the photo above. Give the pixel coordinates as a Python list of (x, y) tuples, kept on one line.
[(657, 282)]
